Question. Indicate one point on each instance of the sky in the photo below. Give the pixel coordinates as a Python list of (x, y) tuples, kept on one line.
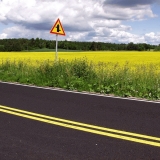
[(114, 21)]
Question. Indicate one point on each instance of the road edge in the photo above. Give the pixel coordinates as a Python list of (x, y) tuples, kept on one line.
[(83, 92)]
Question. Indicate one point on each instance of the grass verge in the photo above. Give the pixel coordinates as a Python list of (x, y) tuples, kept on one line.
[(82, 75)]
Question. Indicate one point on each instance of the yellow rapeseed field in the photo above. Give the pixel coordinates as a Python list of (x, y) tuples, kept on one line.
[(121, 57)]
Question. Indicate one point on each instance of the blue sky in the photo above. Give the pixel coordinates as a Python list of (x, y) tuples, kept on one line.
[(117, 21), (148, 25)]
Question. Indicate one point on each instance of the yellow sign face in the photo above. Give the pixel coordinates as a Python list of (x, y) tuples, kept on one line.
[(57, 28)]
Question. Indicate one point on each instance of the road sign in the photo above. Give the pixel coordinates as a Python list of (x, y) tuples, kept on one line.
[(58, 28)]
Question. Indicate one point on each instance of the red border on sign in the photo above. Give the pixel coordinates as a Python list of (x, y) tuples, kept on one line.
[(51, 31)]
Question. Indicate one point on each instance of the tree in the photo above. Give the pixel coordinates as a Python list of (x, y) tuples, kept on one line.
[(38, 43), (93, 46), (1, 48), (131, 46), (141, 47)]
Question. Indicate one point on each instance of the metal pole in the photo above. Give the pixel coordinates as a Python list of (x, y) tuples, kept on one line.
[(56, 56)]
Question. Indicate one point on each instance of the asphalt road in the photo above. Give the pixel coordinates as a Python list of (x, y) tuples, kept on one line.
[(27, 138)]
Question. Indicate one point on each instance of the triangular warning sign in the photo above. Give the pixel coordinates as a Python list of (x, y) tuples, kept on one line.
[(58, 28)]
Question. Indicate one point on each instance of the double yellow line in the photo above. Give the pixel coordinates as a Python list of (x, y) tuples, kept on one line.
[(129, 136)]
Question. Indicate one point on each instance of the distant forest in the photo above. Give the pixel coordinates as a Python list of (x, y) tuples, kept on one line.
[(23, 44)]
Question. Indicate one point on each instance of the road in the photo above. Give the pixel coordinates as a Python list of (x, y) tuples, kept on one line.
[(38, 124)]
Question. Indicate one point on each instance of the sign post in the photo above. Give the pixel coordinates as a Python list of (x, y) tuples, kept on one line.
[(56, 56), (58, 30)]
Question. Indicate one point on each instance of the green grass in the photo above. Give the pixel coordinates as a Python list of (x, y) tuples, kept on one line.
[(84, 75), (50, 50)]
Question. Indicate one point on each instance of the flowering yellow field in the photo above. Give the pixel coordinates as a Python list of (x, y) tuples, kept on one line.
[(133, 57)]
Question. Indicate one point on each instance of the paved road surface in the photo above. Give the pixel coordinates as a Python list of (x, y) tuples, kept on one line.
[(25, 135)]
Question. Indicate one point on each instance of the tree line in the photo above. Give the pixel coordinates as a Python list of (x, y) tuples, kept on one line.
[(23, 44)]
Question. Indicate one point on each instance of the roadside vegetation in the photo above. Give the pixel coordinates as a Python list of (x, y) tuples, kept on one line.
[(142, 80)]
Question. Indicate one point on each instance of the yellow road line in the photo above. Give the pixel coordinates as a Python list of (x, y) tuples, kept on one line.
[(83, 129), (83, 124)]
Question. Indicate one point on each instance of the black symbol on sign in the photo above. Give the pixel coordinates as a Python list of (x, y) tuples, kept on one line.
[(58, 28)]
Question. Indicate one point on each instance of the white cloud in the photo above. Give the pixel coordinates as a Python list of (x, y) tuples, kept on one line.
[(134, 13), (16, 31), (153, 37), (3, 36), (33, 11), (128, 3), (94, 20)]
